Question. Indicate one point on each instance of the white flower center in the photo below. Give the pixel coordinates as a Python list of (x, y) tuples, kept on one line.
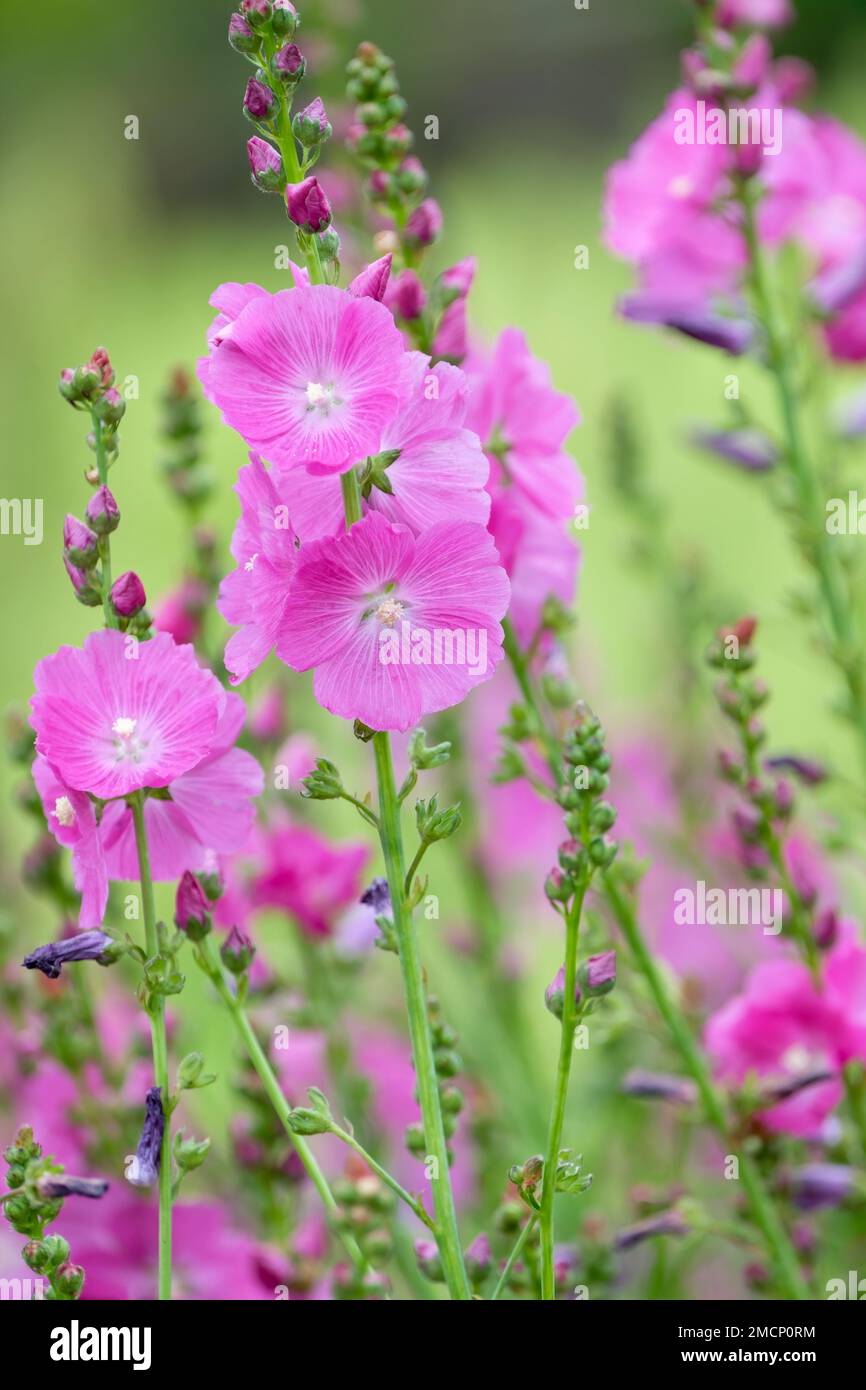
[(127, 748), (64, 811), (321, 398), (389, 612), (251, 563), (800, 1061), (680, 187)]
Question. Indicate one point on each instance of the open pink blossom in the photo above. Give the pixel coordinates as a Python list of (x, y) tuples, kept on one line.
[(254, 595), (782, 1027), (307, 876), (116, 715), (396, 627), (308, 376), (210, 811), (440, 472), (523, 423), (769, 14)]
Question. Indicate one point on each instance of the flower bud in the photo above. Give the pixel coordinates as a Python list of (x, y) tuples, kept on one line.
[(406, 295), (411, 176), (311, 126), (307, 206), (429, 1263), (103, 512), (826, 928), (554, 995), (266, 166), (142, 1167), (558, 886), (69, 1280), (372, 281), (111, 407), (191, 908), (284, 20), (290, 64), (237, 952), (127, 595), (81, 545), (597, 974), (260, 103), (241, 36), (425, 223), (478, 1259)]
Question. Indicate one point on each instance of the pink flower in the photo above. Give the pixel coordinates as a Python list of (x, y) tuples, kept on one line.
[(396, 627), (307, 876), (307, 376), (523, 423), (180, 611), (210, 812), (540, 559), (254, 595), (112, 717), (439, 474), (451, 336), (770, 14), (782, 1027)]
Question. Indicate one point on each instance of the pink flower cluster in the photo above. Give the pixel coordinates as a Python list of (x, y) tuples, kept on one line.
[(671, 209), (463, 477)]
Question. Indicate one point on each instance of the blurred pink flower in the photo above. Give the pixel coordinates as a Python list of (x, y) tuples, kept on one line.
[(782, 1027)]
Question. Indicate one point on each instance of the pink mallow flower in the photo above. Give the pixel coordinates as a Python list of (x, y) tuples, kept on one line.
[(210, 811), (307, 876), (112, 725), (115, 716), (254, 595), (396, 627), (782, 1027), (440, 470), (308, 377), (523, 423)]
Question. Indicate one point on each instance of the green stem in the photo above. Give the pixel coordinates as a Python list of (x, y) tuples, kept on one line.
[(160, 1047), (213, 969), (560, 1093), (761, 1203), (514, 1256), (104, 544), (309, 247), (819, 549), (520, 667), (447, 1234), (410, 872), (351, 497), (412, 1203)]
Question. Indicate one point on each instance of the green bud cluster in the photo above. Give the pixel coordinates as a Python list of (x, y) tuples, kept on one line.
[(588, 818), (366, 1208), (448, 1064)]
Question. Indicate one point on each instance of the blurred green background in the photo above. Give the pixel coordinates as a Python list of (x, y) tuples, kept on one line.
[(120, 242)]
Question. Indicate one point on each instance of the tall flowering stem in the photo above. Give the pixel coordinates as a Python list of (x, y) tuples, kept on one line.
[(762, 1207), (846, 649), (447, 1235), (233, 1001), (560, 1093), (156, 1011)]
